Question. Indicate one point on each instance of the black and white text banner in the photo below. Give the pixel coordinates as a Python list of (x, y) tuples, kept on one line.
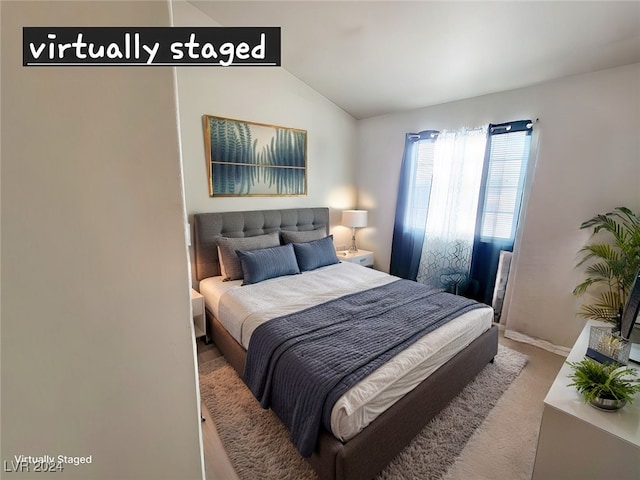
[(151, 46)]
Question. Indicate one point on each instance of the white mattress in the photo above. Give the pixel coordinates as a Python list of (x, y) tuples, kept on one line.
[(241, 309)]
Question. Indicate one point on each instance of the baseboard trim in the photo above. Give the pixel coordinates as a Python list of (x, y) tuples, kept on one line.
[(550, 347)]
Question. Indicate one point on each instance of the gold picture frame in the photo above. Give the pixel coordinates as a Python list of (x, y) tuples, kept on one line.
[(254, 159)]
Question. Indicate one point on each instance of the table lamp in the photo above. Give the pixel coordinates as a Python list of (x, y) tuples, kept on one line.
[(354, 219)]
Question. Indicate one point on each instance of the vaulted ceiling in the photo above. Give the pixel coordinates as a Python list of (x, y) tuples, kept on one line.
[(372, 58)]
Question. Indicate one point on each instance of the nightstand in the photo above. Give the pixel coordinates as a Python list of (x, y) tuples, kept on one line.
[(199, 321), (361, 257)]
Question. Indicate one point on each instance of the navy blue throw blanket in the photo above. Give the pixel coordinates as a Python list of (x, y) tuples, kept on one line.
[(300, 364)]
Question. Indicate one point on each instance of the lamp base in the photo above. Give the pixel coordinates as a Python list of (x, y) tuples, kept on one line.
[(353, 248)]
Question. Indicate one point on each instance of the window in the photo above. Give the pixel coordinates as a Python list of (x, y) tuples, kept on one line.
[(422, 184), (507, 165), (457, 172), (458, 204)]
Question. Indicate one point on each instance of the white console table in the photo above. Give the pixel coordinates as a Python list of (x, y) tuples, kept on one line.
[(579, 442)]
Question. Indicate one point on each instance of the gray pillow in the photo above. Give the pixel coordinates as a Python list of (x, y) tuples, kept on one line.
[(316, 254), (301, 237), (266, 263), (229, 262)]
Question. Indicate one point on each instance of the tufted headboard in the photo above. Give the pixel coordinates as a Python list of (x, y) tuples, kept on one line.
[(208, 226)]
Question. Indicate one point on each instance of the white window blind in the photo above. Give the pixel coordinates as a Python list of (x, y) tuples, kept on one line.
[(507, 167), (417, 211)]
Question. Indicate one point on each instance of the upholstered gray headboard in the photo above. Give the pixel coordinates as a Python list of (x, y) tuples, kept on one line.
[(208, 226)]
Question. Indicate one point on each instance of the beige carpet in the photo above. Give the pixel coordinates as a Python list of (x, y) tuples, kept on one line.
[(505, 444), (258, 444)]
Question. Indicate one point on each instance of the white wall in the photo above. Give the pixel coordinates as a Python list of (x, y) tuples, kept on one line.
[(272, 96), (588, 163), (97, 350)]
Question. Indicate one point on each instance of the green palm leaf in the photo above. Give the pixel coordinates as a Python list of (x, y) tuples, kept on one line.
[(612, 263), (598, 250), (591, 312)]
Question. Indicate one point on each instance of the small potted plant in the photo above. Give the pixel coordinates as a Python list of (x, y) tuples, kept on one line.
[(604, 386)]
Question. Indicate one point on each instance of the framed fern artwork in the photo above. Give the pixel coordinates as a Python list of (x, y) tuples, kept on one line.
[(254, 159)]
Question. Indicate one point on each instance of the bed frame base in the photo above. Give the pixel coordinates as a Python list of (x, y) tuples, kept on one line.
[(371, 450)]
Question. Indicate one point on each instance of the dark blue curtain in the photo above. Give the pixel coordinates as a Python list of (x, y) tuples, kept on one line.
[(411, 209), (486, 250)]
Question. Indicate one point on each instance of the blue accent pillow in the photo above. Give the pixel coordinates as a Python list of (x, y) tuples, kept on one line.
[(265, 263), (316, 254)]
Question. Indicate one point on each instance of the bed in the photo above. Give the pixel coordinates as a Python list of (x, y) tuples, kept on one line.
[(360, 444)]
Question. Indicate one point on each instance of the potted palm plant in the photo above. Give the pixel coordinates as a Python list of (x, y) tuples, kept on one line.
[(604, 386), (611, 266)]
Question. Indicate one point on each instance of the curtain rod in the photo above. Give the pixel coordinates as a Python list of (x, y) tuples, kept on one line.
[(508, 127)]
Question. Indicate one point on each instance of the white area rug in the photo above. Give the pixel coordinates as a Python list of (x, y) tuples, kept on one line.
[(259, 448)]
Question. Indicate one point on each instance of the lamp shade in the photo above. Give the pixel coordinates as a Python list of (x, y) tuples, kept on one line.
[(354, 218)]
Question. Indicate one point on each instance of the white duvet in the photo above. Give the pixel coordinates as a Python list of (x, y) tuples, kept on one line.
[(241, 309)]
